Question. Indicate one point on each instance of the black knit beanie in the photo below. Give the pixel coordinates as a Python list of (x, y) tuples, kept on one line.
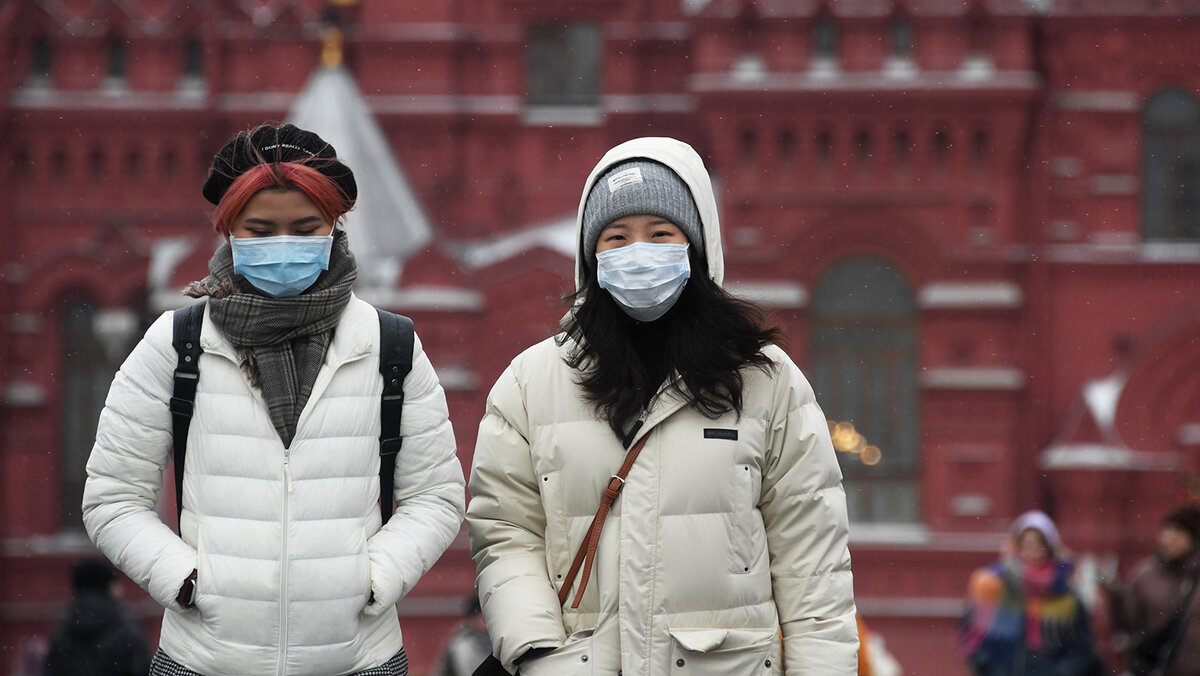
[(269, 144)]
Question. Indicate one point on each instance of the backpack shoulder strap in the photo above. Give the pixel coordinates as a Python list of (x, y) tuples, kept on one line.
[(395, 361), (186, 341)]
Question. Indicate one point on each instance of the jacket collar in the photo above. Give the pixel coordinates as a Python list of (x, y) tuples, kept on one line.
[(663, 404)]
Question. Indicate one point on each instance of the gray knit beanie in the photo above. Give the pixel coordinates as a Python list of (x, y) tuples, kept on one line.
[(639, 187)]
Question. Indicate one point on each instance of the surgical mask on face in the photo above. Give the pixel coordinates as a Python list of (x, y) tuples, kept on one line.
[(281, 266), (644, 278)]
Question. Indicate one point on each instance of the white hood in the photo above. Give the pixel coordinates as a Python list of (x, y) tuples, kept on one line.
[(681, 158)]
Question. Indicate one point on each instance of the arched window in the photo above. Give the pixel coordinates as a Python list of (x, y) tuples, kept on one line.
[(863, 147), (193, 59), (901, 147), (85, 377), (978, 32), (786, 142), (133, 163), (825, 39), (900, 37), (981, 149), (41, 61), (941, 148), (864, 371), (747, 145), (170, 163), (1171, 167), (563, 64), (59, 164), (96, 164), (118, 59), (823, 145), (21, 166)]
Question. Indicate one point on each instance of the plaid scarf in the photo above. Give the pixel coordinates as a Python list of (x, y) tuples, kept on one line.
[(281, 341)]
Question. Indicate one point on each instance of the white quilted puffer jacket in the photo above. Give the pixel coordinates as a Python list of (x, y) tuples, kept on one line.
[(286, 541)]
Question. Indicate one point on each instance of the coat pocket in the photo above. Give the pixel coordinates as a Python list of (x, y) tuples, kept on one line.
[(363, 559), (728, 652), (574, 658), (747, 535), (557, 535), (200, 596)]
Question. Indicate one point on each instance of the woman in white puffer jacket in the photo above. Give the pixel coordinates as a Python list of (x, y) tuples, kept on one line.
[(727, 548), (282, 564)]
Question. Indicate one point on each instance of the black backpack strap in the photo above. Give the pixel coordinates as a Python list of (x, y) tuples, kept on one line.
[(186, 341), (395, 361)]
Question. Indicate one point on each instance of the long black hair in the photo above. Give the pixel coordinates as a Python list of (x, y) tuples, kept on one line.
[(707, 337)]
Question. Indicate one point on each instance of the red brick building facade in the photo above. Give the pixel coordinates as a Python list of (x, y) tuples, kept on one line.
[(978, 221)]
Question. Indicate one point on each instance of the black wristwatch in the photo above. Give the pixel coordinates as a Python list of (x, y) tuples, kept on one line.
[(187, 593)]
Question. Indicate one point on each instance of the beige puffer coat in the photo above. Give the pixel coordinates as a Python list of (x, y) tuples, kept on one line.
[(729, 534)]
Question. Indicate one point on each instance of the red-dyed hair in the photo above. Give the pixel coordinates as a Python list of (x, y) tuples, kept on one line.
[(324, 193)]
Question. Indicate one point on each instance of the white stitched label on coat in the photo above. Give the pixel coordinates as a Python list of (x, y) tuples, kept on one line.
[(623, 178)]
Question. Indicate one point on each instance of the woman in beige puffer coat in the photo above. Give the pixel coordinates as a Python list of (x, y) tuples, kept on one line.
[(728, 545)]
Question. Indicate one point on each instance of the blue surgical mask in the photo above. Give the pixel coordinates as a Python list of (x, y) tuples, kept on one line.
[(281, 266), (644, 278)]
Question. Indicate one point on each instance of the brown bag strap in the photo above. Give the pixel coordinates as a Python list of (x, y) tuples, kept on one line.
[(587, 548)]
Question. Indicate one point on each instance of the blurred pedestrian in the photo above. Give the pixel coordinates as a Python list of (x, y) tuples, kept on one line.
[(286, 561), (731, 523), (1025, 617), (467, 646), (874, 659), (1157, 613), (96, 637)]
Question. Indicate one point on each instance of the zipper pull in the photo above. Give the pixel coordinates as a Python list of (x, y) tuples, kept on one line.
[(287, 473), (637, 426)]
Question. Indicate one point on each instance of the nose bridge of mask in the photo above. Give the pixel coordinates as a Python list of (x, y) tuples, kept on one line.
[(644, 254), (642, 266), (261, 248)]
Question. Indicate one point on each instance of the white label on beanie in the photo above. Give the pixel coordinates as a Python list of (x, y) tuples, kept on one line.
[(623, 178)]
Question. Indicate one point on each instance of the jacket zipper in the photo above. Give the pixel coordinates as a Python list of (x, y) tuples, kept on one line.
[(638, 426), (283, 562), (645, 415)]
